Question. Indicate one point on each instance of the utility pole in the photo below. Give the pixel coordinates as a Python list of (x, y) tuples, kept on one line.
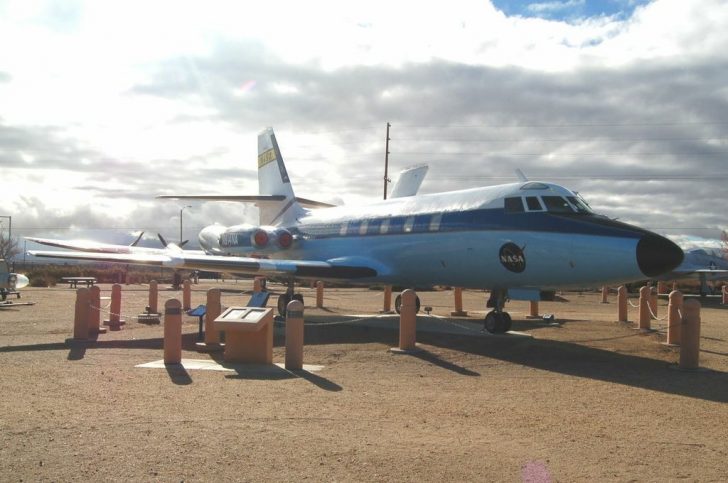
[(386, 162)]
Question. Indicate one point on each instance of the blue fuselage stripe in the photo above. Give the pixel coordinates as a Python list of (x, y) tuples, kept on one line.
[(480, 220)]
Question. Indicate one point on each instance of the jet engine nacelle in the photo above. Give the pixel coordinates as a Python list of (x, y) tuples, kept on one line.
[(240, 239)]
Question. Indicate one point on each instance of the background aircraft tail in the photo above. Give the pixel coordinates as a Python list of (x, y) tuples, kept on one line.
[(273, 180)]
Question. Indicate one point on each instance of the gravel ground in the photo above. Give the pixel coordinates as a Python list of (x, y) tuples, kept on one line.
[(588, 399)]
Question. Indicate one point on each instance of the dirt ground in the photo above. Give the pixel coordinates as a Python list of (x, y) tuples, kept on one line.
[(588, 399)]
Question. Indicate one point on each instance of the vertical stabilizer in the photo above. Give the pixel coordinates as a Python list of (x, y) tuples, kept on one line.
[(273, 180)]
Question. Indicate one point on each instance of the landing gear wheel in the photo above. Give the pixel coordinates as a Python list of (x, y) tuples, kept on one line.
[(398, 303), (507, 322), (497, 322), (283, 300), (490, 323)]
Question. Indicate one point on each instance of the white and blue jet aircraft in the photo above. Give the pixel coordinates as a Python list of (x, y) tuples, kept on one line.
[(520, 237)]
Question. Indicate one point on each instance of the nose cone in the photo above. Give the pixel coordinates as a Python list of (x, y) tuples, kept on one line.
[(657, 255)]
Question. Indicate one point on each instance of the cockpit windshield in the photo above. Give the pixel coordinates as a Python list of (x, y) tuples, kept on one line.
[(580, 205), (557, 204)]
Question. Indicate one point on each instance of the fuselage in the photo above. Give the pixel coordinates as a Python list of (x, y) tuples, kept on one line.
[(521, 235)]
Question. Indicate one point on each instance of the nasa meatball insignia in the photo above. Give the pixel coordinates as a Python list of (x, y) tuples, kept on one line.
[(512, 257)]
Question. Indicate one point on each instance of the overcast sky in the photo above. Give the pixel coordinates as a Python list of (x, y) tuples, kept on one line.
[(105, 104)]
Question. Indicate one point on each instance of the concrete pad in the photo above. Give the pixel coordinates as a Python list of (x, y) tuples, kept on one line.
[(210, 365)]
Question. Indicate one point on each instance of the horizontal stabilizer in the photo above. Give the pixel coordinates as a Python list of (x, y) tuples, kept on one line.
[(247, 199)]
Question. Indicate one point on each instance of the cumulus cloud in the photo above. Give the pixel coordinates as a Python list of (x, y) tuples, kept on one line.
[(630, 111)]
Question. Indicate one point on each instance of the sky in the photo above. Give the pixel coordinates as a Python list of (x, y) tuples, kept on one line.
[(104, 105)]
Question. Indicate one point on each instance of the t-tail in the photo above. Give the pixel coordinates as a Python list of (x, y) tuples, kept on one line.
[(273, 180)]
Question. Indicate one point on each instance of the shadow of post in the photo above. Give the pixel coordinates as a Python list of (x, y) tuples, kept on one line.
[(178, 374)]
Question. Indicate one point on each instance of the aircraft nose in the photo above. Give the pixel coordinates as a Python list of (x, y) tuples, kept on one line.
[(657, 255)]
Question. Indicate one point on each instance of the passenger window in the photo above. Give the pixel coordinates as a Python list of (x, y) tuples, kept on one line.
[(435, 222), (557, 204), (408, 224), (533, 203), (513, 205), (384, 227)]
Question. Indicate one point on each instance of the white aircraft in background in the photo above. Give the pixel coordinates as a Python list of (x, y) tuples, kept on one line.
[(705, 264), (512, 238), (10, 282)]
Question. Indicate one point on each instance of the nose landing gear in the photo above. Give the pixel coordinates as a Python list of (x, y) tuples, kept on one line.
[(497, 321)]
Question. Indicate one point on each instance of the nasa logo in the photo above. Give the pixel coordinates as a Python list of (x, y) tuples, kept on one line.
[(512, 257)]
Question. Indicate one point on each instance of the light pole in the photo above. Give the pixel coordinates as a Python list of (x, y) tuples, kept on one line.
[(180, 222)]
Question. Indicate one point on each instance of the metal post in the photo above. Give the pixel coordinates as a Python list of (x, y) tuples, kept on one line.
[(386, 162)]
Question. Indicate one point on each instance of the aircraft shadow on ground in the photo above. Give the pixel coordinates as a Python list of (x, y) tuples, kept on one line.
[(569, 358)]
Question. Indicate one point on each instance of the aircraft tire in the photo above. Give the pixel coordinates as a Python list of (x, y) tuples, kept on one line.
[(298, 296), (497, 323), (283, 304), (507, 321), (398, 303), (491, 322)]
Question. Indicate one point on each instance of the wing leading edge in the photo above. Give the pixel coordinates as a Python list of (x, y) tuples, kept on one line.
[(214, 263)]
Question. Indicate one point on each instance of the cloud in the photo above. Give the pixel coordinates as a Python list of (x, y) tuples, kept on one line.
[(628, 111)]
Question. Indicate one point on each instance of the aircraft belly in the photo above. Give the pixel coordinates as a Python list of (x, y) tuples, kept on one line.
[(486, 259)]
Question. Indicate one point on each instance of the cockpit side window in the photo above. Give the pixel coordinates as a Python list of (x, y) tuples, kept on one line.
[(513, 204), (533, 203), (557, 204), (580, 206)]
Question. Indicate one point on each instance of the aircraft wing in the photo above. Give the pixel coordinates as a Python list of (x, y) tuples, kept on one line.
[(215, 263)]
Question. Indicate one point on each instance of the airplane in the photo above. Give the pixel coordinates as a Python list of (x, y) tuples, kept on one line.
[(511, 238), (705, 264), (10, 282)]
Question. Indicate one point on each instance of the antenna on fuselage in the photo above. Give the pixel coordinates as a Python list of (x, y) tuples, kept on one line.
[(520, 175)]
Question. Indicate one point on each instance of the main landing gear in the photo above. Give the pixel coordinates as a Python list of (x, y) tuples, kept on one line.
[(286, 297), (496, 321)]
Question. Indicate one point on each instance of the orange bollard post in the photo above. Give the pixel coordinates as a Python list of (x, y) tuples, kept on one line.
[(81, 315), (387, 309), (622, 304), (661, 288), (94, 315), (319, 294), (533, 310), (115, 321), (213, 311), (186, 295), (259, 284), (294, 335), (674, 286), (153, 297), (644, 317), (725, 295), (407, 323), (172, 332), (690, 344), (605, 294), (653, 302), (458, 294), (674, 323)]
